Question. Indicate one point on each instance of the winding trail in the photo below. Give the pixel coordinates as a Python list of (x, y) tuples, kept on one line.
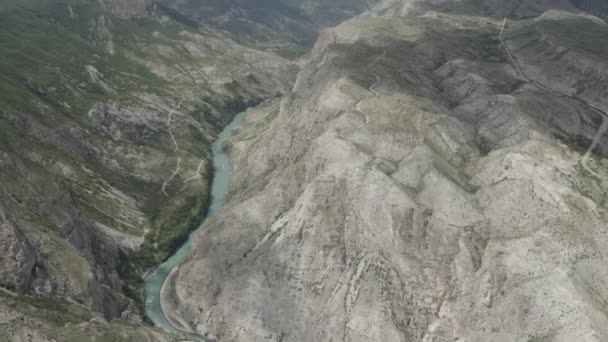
[(177, 76), (520, 72), (199, 72), (195, 177), (596, 140), (179, 159), (357, 107)]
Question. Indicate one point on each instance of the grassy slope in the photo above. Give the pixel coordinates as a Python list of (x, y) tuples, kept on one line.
[(62, 321), (43, 79)]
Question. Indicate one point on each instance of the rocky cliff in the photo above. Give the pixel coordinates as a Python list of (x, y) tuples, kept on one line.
[(429, 178)]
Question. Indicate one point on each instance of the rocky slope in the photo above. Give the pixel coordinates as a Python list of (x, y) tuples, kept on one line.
[(107, 111), (429, 178)]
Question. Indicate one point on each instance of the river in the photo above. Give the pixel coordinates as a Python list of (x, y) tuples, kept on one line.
[(154, 281)]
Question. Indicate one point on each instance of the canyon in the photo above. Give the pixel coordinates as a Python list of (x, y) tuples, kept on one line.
[(406, 170)]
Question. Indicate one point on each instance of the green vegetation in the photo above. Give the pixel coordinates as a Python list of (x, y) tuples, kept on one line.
[(204, 113), (44, 63), (60, 320), (41, 59), (131, 277), (175, 231), (170, 234), (292, 52), (234, 104), (43, 5), (53, 310)]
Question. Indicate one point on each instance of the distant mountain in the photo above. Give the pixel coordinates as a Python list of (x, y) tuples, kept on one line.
[(502, 8), (287, 26), (597, 7)]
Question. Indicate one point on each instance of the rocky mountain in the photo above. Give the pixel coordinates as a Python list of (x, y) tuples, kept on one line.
[(436, 173)]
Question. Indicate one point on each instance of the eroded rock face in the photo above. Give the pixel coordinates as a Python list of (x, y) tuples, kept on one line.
[(411, 188), (18, 258)]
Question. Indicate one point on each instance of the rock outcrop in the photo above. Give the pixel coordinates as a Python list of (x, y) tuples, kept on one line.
[(18, 258)]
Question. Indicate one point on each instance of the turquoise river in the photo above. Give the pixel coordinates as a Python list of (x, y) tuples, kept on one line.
[(154, 281)]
